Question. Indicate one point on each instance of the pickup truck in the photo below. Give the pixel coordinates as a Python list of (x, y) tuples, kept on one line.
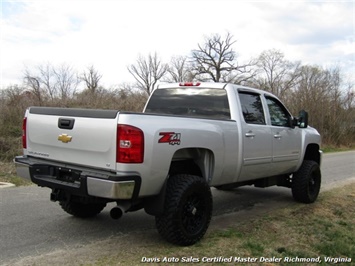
[(189, 138)]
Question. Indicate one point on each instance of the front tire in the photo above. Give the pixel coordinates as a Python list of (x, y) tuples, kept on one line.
[(306, 182), (187, 210)]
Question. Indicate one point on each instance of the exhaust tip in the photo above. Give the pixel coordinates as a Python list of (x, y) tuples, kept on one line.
[(116, 213)]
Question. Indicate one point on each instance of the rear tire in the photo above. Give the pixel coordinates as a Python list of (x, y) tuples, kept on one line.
[(306, 182), (82, 210), (187, 210)]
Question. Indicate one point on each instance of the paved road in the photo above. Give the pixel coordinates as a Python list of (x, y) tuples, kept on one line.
[(32, 225)]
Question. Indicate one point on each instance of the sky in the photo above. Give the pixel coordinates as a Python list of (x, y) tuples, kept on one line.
[(110, 35)]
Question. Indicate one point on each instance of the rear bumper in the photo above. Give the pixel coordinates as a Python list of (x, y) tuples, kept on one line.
[(78, 180)]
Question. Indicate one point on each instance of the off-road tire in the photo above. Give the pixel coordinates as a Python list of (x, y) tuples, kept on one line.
[(306, 182), (187, 210), (82, 210)]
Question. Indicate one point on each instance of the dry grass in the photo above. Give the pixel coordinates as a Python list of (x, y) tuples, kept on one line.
[(8, 174), (323, 229)]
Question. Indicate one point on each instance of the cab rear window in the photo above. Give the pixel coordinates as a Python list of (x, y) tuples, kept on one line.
[(190, 102)]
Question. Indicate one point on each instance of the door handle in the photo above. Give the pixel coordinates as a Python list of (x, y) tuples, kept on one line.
[(250, 134), (277, 136), (66, 123)]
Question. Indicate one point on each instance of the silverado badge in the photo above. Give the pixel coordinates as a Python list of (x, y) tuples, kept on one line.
[(65, 138)]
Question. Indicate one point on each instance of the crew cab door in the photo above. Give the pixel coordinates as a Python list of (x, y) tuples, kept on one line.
[(286, 140), (257, 142)]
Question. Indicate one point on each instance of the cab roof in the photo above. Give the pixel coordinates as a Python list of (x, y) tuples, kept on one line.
[(214, 85)]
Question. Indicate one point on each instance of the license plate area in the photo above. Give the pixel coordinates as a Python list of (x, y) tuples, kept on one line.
[(68, 175)]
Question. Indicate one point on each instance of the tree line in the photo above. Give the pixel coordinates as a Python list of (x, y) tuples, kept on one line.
[(323, 92)]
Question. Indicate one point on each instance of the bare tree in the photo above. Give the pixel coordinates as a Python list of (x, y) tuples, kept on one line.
[(33, 83), (91, 77), (148, 71), (319, 91), (47, 81), (275, 74), (179, 70), (216, 60), (66, 81), (349, 97), (129, 98), (46, 78)]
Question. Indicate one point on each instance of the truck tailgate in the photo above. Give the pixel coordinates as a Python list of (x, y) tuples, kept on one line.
[(75, 136)]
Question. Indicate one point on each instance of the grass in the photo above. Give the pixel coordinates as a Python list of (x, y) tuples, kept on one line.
[(332, 148), (318, 231), (8, 174)]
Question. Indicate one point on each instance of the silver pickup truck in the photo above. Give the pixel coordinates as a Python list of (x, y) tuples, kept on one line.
[(189, 138)]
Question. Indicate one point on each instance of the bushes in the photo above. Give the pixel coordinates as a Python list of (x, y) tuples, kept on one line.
[(9, 148), (15, 100), (333, 118)]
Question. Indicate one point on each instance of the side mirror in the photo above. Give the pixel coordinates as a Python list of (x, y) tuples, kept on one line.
[(292, 122), (303, 119)]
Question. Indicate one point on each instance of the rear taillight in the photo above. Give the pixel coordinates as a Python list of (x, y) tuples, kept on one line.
[(130, 144), (24, 133)]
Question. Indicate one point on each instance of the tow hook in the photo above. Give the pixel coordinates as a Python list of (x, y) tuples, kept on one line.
[(56, 195)]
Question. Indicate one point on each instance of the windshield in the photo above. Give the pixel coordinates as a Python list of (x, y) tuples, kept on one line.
[(190, 102)]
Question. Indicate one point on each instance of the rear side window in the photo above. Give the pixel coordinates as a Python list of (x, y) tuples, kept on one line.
[(252, 108), (190, 102)]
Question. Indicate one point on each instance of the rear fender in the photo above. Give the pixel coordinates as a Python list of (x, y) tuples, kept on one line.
[(194, 161)]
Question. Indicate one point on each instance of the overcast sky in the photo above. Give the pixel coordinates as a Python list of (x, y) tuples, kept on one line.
[(111, 34)]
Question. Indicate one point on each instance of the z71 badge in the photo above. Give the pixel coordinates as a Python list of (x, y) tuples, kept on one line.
[(170, 137)]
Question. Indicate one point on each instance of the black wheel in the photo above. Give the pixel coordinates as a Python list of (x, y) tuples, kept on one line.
[(306, 182), (187, 210), (82, 210)]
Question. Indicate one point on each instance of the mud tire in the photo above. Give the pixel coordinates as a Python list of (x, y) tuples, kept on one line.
[(306, 182), (187, 210)]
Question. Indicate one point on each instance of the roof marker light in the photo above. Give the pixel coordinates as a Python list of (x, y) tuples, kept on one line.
[(189, 84)]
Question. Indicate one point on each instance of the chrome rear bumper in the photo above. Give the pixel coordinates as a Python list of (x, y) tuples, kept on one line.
[(87, 182)]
